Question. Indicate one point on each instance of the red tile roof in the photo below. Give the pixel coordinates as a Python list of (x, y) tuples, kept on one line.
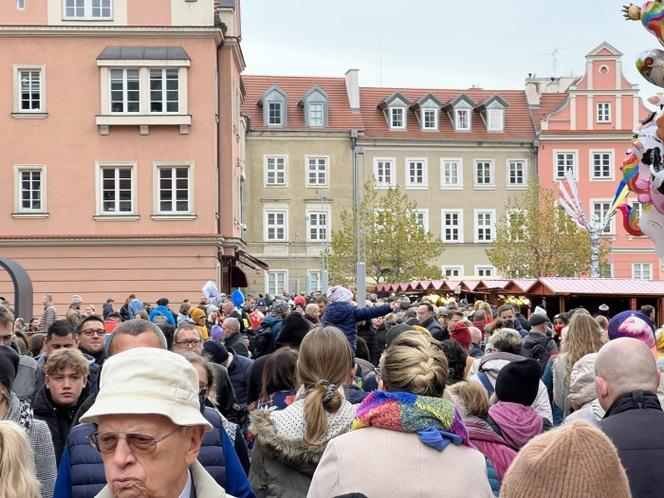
[(340, 116), (549, 103), (518, 122)]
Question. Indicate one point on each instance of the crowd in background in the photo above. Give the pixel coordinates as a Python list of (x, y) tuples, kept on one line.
[(315, 396)]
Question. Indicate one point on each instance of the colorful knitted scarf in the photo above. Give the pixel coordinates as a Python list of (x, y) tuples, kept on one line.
[(435, 420)]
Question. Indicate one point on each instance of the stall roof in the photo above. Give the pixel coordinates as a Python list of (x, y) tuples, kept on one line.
[(550, 286), (519, 285)]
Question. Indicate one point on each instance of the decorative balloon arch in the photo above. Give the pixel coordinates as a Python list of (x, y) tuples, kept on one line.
[(22, 288)]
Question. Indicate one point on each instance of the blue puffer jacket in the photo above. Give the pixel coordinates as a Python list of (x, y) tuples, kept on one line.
[(238, 371), (345, 316), (81, 472)]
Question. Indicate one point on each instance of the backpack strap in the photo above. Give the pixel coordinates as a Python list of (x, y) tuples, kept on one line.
[(484, 379)]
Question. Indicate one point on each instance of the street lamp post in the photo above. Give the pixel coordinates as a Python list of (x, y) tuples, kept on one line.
[(360, 267)]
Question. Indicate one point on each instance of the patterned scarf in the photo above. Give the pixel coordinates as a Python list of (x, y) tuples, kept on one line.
[(435, 420)]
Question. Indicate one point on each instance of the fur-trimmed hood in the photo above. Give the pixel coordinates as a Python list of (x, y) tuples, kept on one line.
[(281, 432)]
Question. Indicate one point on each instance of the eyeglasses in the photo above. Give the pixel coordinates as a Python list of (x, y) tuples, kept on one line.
[(141, 444), (92, 332), (189, 344)]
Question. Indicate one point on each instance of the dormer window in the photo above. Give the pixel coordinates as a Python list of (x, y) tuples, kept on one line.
[(394, 109), (495, 119), (275, 107), (427, 110), (462, 119), (429, 119), (315, 107), (397, 117)]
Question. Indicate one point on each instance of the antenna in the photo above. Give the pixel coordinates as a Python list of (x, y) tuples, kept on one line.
[(380, 62), (554, 59)]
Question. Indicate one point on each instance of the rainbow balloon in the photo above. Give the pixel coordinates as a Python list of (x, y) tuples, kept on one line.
[(652, 18)]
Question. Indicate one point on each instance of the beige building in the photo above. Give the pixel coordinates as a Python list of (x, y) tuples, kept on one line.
[(460, 155), (299, 164)]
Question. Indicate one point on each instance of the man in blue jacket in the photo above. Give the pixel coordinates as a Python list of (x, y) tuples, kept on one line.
[(344, 315)]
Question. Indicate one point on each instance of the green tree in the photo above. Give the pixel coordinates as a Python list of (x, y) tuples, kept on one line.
[(536, 238), (397, 248)]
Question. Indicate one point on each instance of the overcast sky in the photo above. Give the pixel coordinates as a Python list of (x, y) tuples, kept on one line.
[(436, 43)]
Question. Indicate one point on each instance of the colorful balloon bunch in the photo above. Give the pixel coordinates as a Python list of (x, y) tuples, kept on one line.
[(643, 165)]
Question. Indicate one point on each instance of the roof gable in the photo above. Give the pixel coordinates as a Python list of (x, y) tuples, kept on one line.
[(494, 102), (429, 101), (604, 49), (463, 101), (395, 100)]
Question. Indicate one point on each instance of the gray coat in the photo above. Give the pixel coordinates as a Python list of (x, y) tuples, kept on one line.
[(25, 383), (40, 440)]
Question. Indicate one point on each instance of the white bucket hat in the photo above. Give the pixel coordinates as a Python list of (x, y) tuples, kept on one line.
[(143, 381)]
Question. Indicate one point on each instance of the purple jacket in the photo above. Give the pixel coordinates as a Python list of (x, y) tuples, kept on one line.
[(516, 423), (490, 444)]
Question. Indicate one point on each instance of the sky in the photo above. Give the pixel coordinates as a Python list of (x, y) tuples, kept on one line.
[(437, 43)]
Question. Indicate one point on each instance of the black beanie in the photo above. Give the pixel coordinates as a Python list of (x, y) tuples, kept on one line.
[(8, 366), (395, 331), (293, 329), (518, 382), (216, 351)]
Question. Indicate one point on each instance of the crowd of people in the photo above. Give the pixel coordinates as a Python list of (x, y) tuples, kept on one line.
[(315, 396)]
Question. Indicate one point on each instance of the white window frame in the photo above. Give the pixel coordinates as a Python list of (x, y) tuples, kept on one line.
[(390, 114), (641, 267), (266, 160), (18, 69), (457, 127), (326, 227), (164, 90), (459, 269), (483, 268), (508, 215), (425, 217), (267, 282), (87, 7), (18, 190), (281, 112), (326, 168), (610, 275), (498, 112), (20, 4), (459, 227), (319, 279), (591, 213), (575, 166), (100, 193), (492, 175), (423, 113), (125, 91), (272, 210), (508, 177), (425, 173), (322, 114), (476, 227), (393, 172), (157, 167), (459, 163), (591, 165), (605, 115)]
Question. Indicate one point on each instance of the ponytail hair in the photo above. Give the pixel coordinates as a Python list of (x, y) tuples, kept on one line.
[(17, 466), (323, 366)]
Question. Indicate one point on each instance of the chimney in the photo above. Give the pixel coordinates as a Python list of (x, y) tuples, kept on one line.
[(353, 89), (532, 92)]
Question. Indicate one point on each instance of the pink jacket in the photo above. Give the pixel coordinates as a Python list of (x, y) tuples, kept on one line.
[(490, 444), (517, 423)]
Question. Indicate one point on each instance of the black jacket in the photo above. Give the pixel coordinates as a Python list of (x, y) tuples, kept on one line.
[(238, 372), (366, 332), (635, 424), (432, 325), (58, 418), (237, 345)]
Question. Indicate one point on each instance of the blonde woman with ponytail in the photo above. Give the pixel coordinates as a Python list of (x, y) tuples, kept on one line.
[(290, 442), (17, 468), (418, 443)]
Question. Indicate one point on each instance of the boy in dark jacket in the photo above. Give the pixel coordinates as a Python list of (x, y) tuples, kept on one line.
[(344, 315)]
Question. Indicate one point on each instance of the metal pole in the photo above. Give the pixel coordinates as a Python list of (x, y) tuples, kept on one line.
[(360, 268)]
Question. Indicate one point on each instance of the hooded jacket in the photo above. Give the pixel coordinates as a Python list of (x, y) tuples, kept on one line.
[(582, 393), (538, 346), (345, 316), (492, 363), (517, 424), (162, 310), (283, 462), (490, 444)]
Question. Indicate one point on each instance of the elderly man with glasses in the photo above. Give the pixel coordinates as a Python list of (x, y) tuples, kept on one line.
[(150, 427)]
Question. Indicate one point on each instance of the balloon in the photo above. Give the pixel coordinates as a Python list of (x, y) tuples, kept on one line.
[(651, 15), (650, 64), (652, 225), (210, 289), (237, 297)]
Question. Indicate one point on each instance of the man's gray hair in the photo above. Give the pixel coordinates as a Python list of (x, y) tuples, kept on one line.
[(234, 322), (186, 326), (137, 327), (506, 340)]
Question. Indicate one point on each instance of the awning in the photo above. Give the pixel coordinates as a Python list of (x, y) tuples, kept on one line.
[(251, 261), (238, 277), (143, 53)]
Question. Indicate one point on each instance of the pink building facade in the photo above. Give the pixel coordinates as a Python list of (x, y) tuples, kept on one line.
[(587, 125), (122, 163)]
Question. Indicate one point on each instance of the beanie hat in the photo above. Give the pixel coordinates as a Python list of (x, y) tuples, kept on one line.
[(216, 351), (300, 300), (8, 366), (574, 460), (518, 382), (162, 301), (280, 307), (293, 329), (395, 331), (196, 313), (633, 324), (217, 333), (339, 294), (537, 319), (461, 334)]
